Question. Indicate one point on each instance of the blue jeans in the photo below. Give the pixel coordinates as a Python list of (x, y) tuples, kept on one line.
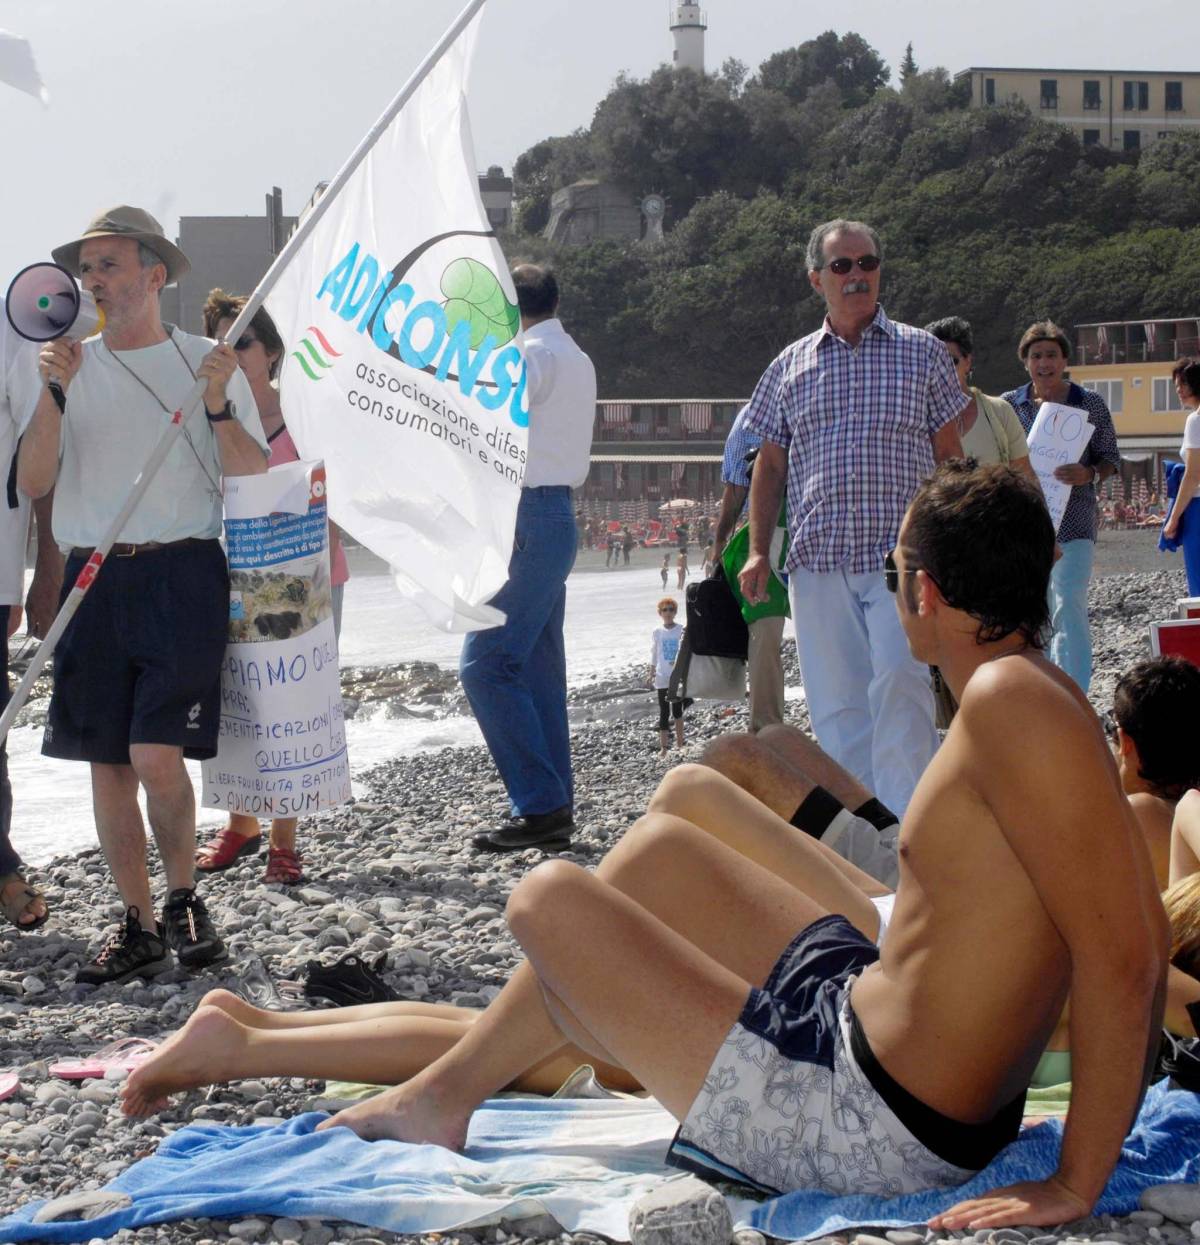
[(515, 676), (1071, 643)]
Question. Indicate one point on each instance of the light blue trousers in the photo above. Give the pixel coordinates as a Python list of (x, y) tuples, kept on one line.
[(870, 701), (1071, 642)]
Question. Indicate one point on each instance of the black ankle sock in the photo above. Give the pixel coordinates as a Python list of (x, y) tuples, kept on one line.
[(879, 815), (815, 813)]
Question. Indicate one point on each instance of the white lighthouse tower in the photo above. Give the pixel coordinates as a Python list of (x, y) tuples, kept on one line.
[(688, 24)]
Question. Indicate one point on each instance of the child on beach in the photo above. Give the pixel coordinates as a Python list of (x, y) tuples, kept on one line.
[(664, 648)]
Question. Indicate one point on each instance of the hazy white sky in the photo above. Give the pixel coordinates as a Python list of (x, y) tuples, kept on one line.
[(199, 108)]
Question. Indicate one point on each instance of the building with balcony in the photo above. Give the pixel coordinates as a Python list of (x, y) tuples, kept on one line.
[(1129, 363), (1121, 109), (655, 450)]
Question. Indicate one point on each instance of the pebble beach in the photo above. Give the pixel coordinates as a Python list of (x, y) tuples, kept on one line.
[(392, 875)]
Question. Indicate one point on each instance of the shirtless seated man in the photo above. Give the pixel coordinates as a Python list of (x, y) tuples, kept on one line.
[(796, 1054)]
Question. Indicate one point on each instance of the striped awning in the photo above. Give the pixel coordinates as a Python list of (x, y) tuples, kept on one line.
[(616, 414), (697, 416)]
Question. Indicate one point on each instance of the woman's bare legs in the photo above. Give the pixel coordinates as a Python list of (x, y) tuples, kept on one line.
[(731, 814), (649, 962), (228, 1039)]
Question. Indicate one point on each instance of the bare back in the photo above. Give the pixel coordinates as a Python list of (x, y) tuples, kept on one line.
[(975, 969)]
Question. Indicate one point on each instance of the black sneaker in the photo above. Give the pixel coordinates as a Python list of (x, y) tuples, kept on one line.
[(189, 932), (131, 952), (349, 982)]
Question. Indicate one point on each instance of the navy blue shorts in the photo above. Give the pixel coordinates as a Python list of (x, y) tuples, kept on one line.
[(140, 662)]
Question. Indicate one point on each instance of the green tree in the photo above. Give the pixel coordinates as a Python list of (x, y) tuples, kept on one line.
[(848, 61), (908, 67)]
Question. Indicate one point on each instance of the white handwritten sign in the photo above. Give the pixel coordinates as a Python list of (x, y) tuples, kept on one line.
[(1058, 438), (282, 748)]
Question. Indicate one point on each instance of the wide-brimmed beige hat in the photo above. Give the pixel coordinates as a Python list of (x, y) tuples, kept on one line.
[(126, 222)]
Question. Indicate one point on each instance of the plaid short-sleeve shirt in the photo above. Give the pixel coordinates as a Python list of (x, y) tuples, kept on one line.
[(856, 422)]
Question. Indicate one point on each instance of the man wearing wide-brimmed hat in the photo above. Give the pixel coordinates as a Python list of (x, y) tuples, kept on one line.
[(137, 671)]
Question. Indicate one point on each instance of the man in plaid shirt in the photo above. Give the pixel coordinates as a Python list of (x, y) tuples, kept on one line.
[(853, 417)]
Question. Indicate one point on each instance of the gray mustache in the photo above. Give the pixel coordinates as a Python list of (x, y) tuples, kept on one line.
[(856, 287)]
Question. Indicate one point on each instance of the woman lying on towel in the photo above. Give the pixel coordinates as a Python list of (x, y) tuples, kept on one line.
[(228, 1039)]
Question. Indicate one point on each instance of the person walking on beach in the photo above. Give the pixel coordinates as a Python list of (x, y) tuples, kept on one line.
[(681, 568), (515, 675), (852, 417), (665, 569), (137, 671), (1044, 351), (664, 649), (20, 904)]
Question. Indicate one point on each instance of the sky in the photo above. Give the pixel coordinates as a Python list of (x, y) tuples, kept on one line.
[(200, 108)]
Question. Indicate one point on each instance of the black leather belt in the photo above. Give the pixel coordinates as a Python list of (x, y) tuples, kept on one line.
[(122, 549)]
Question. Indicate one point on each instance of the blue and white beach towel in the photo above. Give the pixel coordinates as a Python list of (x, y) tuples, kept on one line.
[(584, 1162)]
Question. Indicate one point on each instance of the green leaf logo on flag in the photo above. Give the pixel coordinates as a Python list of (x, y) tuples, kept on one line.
[(475, 295)]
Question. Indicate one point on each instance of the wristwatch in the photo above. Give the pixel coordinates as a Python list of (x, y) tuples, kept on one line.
[(228, 411)]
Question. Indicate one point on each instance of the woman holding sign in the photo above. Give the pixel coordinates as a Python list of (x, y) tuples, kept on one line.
[(260, 351), (1044, 351)]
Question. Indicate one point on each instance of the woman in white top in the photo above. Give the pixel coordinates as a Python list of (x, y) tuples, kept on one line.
[(1187, 385)]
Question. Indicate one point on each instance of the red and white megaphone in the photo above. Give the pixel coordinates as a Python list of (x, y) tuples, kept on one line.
[(44, 302)]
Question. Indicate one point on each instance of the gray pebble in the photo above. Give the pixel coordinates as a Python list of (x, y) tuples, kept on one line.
[(1178, 1202), (287, 1230), (248, 1229)]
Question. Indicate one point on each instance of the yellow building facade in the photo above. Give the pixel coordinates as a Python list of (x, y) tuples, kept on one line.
[(1129, 363), (1121, 109)]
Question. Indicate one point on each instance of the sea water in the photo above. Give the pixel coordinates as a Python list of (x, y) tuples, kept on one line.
[(609, 618)]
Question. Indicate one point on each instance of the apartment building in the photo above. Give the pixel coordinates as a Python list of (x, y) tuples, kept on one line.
[(1123, 110)]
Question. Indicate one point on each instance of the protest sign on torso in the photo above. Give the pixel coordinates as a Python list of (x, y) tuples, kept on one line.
[(282, 749), (1058, 437)]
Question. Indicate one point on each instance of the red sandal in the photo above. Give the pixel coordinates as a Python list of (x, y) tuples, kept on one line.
[(283, 867), (226, 848)]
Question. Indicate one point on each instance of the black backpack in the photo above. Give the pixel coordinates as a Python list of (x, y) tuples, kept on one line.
[(715, 625)]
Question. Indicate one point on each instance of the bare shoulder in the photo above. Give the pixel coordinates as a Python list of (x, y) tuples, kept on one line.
[(1023, 697)]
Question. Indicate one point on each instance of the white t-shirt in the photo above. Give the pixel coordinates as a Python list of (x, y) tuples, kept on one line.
[(664, 648), (20, 386), (112, 425), (1191, 431), (562, 407)]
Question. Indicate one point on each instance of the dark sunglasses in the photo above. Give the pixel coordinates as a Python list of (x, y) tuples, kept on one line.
[(842, 265), (667, 609), (244, 342), (892, 573)]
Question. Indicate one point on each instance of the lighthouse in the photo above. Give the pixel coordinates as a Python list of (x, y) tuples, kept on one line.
[(688, 24)]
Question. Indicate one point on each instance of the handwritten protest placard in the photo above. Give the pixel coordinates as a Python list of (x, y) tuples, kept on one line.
[(282, 749), (1059, 436)]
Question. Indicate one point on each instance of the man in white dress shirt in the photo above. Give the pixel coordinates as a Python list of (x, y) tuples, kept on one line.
[(515, 676)]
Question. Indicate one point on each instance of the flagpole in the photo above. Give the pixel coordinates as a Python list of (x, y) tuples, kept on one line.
[(170, 434)]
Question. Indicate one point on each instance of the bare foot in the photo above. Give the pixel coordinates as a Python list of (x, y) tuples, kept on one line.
[(406, 1113), (203, 1052)]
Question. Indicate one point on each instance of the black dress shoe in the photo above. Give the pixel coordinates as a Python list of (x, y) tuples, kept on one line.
[(549, 831)]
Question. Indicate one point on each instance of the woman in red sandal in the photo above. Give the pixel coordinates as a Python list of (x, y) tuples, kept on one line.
[(259, 351)]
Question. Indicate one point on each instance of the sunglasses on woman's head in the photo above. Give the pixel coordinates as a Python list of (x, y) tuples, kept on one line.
[(842, 265)]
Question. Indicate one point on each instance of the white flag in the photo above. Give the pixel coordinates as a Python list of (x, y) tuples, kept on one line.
[(17, 67), (404, 369)]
